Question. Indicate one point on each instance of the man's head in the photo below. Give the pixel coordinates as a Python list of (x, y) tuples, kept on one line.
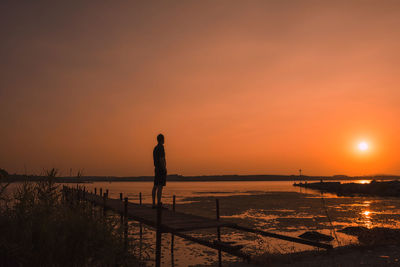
[(160, 139)]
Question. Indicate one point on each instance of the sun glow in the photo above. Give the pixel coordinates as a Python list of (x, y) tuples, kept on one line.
[(363, 146), (366, 213)]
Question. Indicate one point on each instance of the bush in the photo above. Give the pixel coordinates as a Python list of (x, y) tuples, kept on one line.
[(3, 173), (39, 229)]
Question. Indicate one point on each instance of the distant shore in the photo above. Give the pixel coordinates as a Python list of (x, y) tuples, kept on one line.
[(382, 188), (205, 178)]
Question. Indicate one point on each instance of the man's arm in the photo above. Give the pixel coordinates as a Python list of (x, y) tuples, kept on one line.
[(162, 160)]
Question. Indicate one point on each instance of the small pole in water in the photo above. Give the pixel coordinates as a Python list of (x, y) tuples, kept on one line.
[(172, 235), (158, 235), (172, 250), (300, 175), (140, 198), (218, 233), (140, 240), (104, 204), (95, 191), (122, 213), (126, 224)]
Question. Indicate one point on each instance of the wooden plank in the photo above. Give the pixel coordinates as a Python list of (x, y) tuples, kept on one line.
[(193, 227), (188, 220), (283, 237), (176, 222), (215, 245), (200, 225)]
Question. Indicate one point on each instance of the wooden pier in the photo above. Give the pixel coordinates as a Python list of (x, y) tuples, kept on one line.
[(177, 223)]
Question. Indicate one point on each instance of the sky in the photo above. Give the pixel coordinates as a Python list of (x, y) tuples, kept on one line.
[(236, 87)]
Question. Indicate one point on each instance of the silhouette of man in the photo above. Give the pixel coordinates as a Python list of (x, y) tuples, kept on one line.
[(160, 169)]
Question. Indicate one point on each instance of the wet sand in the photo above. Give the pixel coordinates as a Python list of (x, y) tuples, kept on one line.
[(293, 213), (271, 206), (388, 255)]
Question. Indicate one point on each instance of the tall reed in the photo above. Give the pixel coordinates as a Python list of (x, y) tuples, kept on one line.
[(38, 229)]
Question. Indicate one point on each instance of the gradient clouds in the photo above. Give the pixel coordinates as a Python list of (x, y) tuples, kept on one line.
[(236, 86)]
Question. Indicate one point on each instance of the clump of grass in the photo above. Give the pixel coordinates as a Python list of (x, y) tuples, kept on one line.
[(39, 229), (379, 236)]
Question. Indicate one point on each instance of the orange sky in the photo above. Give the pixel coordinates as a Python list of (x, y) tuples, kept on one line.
[(237, 87)]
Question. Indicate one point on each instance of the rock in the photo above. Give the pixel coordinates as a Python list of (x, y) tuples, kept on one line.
[(315, 236), (353, 230)]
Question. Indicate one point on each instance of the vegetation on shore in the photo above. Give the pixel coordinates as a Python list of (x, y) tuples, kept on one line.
[(376, 247), (80, 178), (375, 188), (37, 228)]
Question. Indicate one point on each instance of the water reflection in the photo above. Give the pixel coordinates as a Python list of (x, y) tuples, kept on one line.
[(271, 206), (366, 214), (366, 218)]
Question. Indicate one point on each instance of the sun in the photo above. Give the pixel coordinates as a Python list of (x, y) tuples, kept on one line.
[(363, 146)]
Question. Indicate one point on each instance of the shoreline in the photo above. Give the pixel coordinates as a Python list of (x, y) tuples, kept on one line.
[(374, 188), (210, 178)]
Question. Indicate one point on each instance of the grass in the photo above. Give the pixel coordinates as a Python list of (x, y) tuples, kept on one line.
[(38, 229)]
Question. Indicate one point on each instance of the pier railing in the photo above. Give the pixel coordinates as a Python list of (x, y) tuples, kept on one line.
[(170, 221)]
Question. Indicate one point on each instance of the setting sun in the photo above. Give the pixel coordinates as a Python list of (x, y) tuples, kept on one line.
[(363, 146)]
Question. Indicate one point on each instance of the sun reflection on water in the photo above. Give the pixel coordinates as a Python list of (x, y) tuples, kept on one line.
[(366, 213), (366, 218)]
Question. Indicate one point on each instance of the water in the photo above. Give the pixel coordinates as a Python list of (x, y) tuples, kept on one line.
[(183, 190), (275, 206)]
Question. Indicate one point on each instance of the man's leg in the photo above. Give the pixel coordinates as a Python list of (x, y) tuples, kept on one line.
[(153, 195), (159, 194)]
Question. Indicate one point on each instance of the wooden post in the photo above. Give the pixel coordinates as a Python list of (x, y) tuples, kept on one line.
[(172, 235), (74, 197), (104, 204), (95, 191), (70, 196), (172, 250), (107, 192), (66, 195), (140, 198), (126, 224), (126, 207), (122, 212), (140, 240), (91, 206), (158, 235), (101, 191), (218, 233), (63, 194)]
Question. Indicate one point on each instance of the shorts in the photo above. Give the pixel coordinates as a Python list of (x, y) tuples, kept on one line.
[(160, 177)]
